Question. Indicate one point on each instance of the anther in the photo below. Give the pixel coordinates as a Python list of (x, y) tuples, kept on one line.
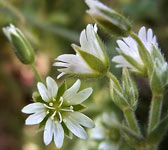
[(51, 104)]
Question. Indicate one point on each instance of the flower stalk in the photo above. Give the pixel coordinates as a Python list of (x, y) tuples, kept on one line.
[(131, 120), (36, 73)]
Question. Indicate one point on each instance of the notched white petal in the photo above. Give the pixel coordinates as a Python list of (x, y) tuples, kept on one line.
[(43, 91), (82, 119), (52, 87), (72, 90), (35, 118), (48, 132), (79, 97), (75, 128), (33, 108), (58, 135)]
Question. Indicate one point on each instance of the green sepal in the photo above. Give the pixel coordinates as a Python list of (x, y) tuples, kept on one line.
[(140, 67), (145, 56), (103, 50), (96, 64), (61, 90), (130, 90), (79, 107), (119, 99), (22, 49), (43, 123), (156, 53), (158, 131), (114, 23), (66, 131), (37, 98), (114, 83)]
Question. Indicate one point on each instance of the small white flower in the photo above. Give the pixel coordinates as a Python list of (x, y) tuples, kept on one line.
[(103, 132), (113, 22), (90, 59), (128, 48), (58, 110)]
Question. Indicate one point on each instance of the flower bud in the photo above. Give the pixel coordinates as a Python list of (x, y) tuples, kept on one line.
[(113, 22), (21, 46), (128, 95), (159, 77)]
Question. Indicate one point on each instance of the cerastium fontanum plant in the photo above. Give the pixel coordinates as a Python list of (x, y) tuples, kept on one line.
[(58, 109)]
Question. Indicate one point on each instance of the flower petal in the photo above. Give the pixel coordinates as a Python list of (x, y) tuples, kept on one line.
[(78, 98), (52, 87), (82, 119), (142, 34), (75, 128), (71, 91), (58, 134), (89, 42), (48, 132), (72, 64), (33, 108), (35, 118), (43, 91)]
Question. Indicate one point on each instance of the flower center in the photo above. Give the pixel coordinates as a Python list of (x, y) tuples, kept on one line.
[(55, 109)]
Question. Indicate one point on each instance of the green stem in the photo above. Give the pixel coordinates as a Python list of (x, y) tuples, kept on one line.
[(131, 120), (155, 111), (114, 79), (37, 75)]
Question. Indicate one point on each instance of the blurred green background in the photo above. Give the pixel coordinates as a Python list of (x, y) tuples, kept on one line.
[(51, 26)]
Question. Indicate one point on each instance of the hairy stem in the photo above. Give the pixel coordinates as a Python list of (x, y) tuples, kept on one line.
[(155, 111), (131, 120), (36, 73)]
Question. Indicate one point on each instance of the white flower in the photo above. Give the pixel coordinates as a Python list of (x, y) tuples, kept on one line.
[(106, 133), (90, 59), (128, 48), (113, 22), (55, 110)]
